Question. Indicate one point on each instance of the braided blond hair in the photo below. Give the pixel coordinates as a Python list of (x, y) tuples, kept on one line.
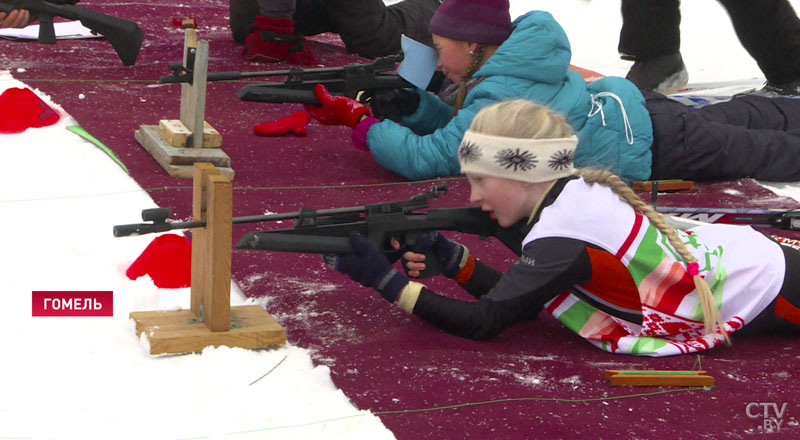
[(474, 65), (711, 316)]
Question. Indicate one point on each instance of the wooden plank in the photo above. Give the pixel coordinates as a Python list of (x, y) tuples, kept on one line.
[(199, 286), (176, 134), (664, 185), (187, 91), (171, 332), (216, 305), (199, 237), (211, 137), (149, 137), (658, 378), (189, 41), (199, 196), (193, 97), (186, 171), (173, 132), (608, 373)]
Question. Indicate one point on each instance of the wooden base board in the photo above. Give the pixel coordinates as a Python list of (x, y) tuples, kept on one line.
[(171, 332), (178, 162)]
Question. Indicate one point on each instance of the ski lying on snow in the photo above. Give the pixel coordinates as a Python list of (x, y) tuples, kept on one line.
[(705, 93), (787, 219)]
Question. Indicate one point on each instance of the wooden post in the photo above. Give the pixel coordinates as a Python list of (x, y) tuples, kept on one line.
[(199, 236), (193, 96), (217, 301), (211, 290), (211, 321), (177, 144)]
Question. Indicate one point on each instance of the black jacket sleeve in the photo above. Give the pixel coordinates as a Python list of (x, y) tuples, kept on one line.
[(547, 267), (482, 280)]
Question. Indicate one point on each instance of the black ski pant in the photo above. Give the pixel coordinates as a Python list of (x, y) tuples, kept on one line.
[(768, 29), (368, 28), (767, 322), (750, 136)]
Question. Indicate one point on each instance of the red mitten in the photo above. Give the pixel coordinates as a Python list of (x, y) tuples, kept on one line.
[(272, 40), (336, 110), (294, 123)]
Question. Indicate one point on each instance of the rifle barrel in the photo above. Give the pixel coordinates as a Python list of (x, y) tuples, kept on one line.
[(149, 228)]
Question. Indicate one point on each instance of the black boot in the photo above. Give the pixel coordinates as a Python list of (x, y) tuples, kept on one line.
[(791, 88), (665, 74), (771, 90)]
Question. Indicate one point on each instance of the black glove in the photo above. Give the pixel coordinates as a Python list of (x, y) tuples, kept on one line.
[(447, 251), (394, 104), (368, 266)]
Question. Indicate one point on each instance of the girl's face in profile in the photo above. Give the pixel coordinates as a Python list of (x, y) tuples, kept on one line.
[(506, 200), (454, 57)]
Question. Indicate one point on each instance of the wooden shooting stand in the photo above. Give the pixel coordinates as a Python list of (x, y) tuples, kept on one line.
[(211, 321), (176, 144)]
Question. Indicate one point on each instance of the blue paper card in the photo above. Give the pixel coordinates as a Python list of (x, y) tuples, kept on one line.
[(419, 62)]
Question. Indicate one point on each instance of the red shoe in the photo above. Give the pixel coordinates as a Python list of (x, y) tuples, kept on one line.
[(272, 40)]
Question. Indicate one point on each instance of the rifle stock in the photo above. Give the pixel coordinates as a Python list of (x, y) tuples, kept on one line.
[(303, 91), (125, 36), (406, 227), (277, 93)]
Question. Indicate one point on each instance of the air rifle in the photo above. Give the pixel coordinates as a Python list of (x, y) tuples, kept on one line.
[(298, 86), (326, 231), (125, 36)]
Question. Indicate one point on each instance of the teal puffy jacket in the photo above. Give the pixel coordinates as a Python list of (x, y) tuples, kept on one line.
[(533, 63)]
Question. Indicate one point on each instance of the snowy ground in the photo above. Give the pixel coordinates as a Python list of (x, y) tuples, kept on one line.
[(709, 46), (90, 378)]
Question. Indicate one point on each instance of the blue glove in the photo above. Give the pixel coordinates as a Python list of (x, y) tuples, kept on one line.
[(368, 266), (447, 251)]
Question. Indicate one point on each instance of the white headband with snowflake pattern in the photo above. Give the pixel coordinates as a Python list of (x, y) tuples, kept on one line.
[(528, 160)]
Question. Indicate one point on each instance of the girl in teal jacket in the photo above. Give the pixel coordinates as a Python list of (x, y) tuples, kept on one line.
[(530, 59), (533, 63), (635, 136)]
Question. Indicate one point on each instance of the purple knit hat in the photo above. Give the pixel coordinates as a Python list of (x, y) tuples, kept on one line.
[(476, 21)]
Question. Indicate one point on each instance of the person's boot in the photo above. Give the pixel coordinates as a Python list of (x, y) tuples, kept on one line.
[(272, 40), (665, 74), (791, 88), (242, 15)]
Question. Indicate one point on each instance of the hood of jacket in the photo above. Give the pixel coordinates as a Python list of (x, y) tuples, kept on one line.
[(534, 63), (538, 40)]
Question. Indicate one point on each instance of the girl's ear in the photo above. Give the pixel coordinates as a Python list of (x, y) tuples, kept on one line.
[(472, 46)]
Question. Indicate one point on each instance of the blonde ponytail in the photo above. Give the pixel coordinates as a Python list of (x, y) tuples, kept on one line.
[(712, 320)]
